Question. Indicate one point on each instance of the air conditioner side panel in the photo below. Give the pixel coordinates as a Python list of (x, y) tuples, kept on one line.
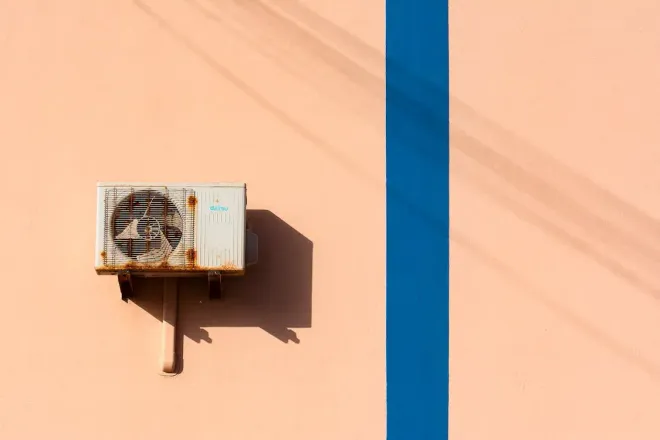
[(100, 226), (220, 228)]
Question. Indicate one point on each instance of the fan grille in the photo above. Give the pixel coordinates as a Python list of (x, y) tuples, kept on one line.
[(148, 227)]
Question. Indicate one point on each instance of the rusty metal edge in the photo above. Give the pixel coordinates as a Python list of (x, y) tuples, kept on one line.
[(169, 271)]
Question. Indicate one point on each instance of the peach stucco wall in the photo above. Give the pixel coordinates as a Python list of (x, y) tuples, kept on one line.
[(284, 95), (555, 321), (555, 227)]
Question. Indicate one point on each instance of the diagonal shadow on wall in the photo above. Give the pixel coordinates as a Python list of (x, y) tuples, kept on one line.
[(610, 225), (274, 295)]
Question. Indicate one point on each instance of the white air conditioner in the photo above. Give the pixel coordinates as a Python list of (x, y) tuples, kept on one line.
[(173, 230)]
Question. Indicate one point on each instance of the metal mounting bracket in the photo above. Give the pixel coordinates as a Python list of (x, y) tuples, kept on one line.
[(125, 285), (215, 285)]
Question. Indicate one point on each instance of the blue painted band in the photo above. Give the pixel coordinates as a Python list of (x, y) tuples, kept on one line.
[(417, 154)]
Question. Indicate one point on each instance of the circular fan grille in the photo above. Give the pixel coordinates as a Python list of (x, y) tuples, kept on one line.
[(147, 227)]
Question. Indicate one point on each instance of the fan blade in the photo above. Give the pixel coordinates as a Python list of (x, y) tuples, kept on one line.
[(157, 254), (130, 232), (148, 207), (174, 221)]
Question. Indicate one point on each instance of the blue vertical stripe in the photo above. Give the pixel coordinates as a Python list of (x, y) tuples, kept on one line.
[(417, 151)]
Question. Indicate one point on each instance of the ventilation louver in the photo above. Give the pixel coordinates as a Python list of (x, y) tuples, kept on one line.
[(147, 227)]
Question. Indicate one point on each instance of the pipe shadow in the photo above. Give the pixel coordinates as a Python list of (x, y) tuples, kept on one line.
[(611, 224), (612, 344), (412, 97), (274, 295), (604, 228)]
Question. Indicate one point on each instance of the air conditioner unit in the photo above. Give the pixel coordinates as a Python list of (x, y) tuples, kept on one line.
[(173, 230)]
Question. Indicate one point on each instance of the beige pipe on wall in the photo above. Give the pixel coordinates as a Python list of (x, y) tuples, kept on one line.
[(170, 311)]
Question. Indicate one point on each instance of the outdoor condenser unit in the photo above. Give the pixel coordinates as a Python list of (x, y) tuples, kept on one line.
[(173, 230)]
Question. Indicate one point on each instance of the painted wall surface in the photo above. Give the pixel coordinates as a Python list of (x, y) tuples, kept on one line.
[(555, 244), (287, 96)]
